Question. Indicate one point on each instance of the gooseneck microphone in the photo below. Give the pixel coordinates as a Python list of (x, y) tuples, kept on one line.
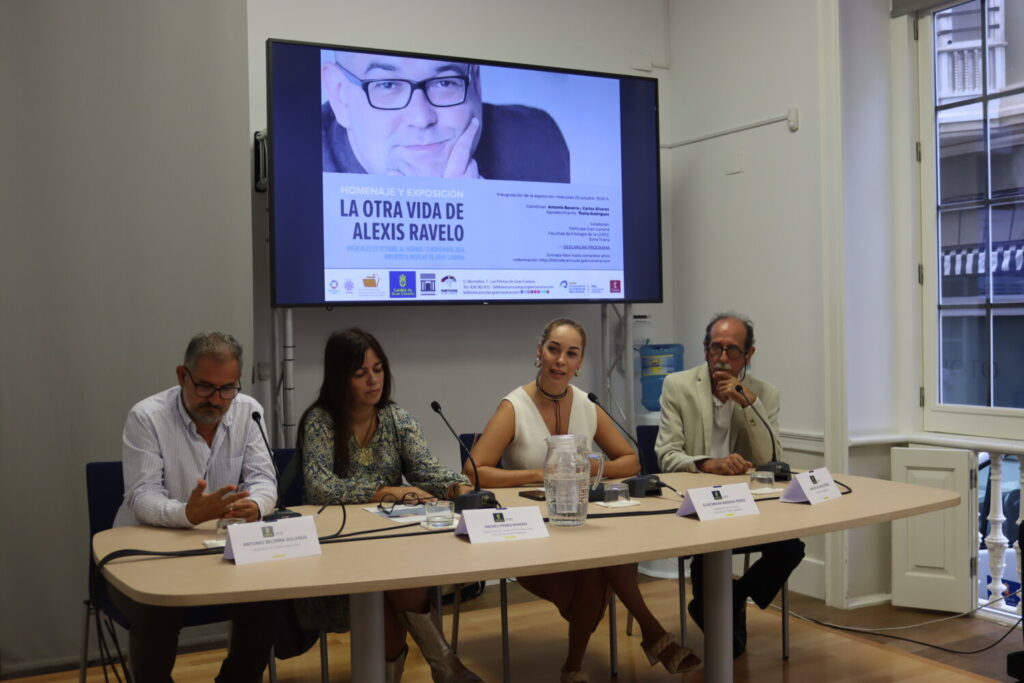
[(780, 470), (643, 484), (475, 499), (280, 512)]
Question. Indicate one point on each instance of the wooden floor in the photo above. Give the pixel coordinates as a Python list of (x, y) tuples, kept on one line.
[(538, 642)]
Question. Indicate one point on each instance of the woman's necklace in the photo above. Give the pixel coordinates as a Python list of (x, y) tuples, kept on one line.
[(364, 453), (556, 399)]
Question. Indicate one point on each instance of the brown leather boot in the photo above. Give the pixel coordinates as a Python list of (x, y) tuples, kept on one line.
[(445, 666), (393, 669)]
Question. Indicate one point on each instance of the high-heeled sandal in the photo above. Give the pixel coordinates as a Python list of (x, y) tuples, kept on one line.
[(674, 657), (574, 677)]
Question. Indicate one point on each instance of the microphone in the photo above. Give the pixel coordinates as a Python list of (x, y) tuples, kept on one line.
[(281, 512), (475, 499), (643, 484), (780, 470)]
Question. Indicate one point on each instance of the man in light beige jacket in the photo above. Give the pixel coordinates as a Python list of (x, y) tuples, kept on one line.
[(710, 423)]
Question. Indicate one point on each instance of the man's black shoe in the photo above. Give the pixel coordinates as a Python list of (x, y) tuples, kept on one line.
[(739, 625), (696, 611), (739, 632)]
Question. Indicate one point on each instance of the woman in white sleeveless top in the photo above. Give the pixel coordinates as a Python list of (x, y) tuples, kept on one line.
[(515, 436)]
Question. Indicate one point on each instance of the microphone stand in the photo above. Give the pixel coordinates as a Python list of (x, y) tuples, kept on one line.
[(780, 470), (475, 499), (642, 484), (280, 512)]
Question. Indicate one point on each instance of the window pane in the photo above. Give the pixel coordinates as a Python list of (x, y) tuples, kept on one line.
[(1008, 350), (958, 52), (963, 255), (979, 55), (1007, 260), (962, 159), (1005, 55), (964, 353), (1006, 128)]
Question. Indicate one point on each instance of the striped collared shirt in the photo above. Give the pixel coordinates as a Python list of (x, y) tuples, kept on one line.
[(163, 455)]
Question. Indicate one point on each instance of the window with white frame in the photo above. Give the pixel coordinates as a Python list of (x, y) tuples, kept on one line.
[(972, 121)]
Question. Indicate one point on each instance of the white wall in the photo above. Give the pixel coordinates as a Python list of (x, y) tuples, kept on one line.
[(126, 223), (801, 231), (881, 272), (465, 357), (746, 207), (882, 366)]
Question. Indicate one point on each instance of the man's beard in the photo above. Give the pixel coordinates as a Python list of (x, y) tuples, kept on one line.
[(208, 414)]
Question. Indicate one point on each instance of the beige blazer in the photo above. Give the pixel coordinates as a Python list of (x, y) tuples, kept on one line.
[(687, 418)]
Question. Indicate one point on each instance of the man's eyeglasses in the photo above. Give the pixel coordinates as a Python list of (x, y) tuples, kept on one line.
[(396, 93), (206, 390), (732, 351), (389, 502)]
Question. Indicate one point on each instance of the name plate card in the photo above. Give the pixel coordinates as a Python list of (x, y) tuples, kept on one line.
[(812, 486), (266, 541), (492, 525), (719, 502)]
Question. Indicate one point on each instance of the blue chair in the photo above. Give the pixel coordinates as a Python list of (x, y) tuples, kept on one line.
[(104, 492), (292, 489), (468, 440), (647, 436), (104, 484), (291, 484)]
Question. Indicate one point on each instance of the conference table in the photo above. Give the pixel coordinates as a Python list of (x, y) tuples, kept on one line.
[(378, 562)]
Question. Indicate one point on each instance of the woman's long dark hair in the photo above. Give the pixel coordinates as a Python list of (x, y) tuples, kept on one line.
[(343, 356)]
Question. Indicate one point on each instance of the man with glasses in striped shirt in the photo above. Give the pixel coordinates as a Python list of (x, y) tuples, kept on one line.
[(191, 454)]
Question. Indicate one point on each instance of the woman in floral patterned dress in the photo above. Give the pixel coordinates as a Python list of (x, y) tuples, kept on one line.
[(356, 446)]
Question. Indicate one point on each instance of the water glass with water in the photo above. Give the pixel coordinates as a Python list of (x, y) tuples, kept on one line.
[(761, 480), (440, 514)]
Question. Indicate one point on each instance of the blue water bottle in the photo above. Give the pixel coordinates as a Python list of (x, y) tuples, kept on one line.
[(657, 361)]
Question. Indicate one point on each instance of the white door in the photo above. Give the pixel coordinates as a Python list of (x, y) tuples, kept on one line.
[(935, 556)]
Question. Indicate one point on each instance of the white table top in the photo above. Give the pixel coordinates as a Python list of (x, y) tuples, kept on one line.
[(428, 559)]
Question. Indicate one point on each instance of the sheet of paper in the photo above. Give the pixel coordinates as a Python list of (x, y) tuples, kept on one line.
[(401, 514), (618, 504)]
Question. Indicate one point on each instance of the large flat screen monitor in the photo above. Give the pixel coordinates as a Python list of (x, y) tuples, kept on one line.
[(412, 178)]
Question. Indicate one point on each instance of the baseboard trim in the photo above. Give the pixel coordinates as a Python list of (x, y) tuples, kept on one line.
[(869, 600), (186, 644)]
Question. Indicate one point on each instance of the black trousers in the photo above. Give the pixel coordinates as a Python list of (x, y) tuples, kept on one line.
[(153, 639), (764, 579)]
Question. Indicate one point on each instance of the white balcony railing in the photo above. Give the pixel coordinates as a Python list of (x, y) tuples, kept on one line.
[(996, 543)]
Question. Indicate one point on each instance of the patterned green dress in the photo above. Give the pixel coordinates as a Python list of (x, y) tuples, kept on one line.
[(397, 449)]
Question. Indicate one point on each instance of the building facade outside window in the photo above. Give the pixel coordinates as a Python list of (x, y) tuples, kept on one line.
[(972, 121)]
